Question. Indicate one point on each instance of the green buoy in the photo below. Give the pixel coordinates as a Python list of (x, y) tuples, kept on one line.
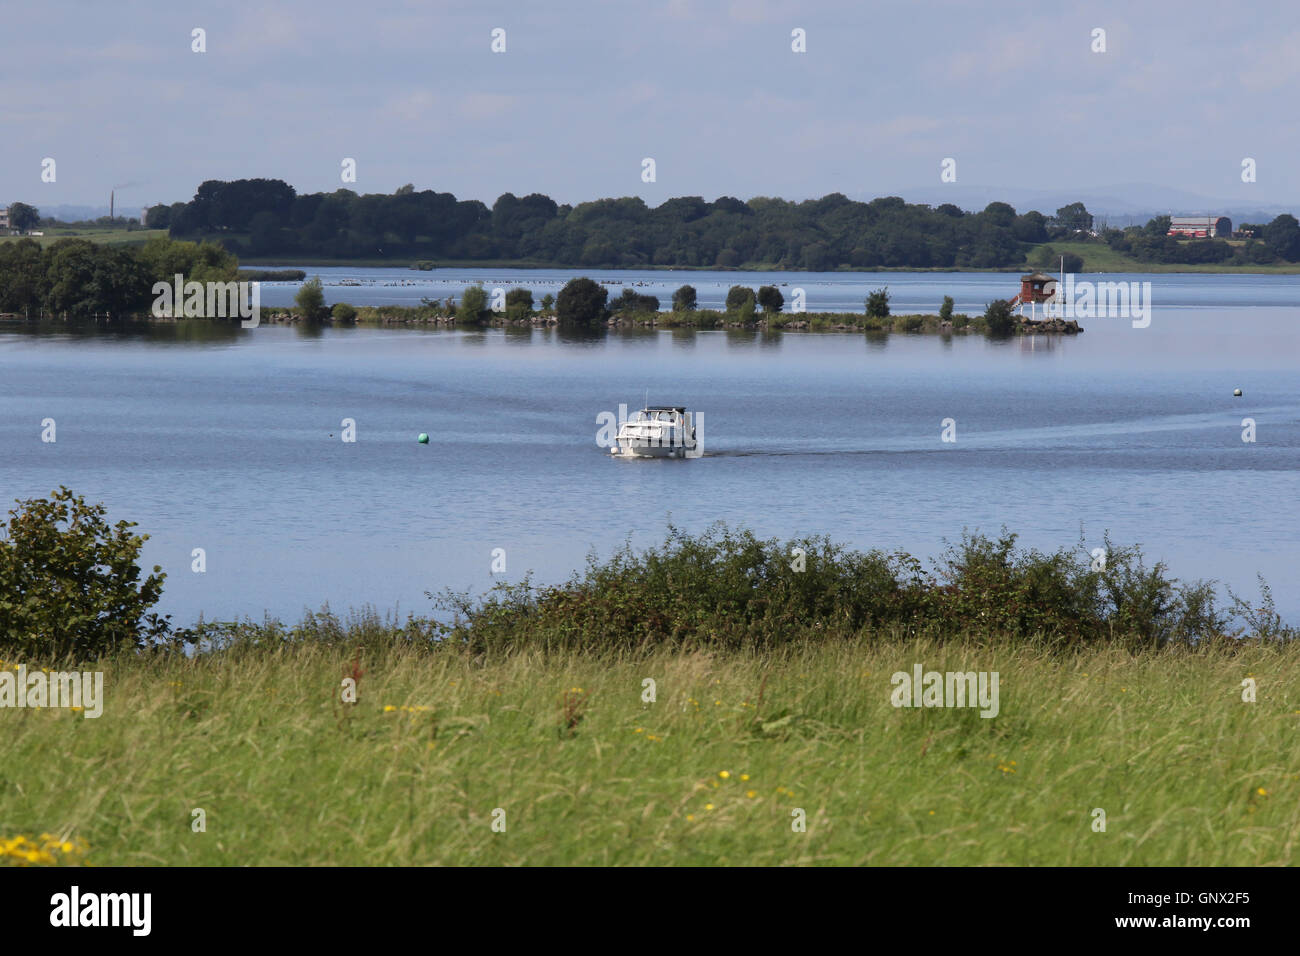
[(423, 439)]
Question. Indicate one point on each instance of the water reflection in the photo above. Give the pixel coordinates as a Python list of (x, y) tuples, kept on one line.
[(1038, 343), (579, 335), (191, 331), (683, 339)]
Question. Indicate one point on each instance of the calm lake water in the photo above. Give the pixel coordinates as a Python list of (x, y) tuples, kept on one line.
[(229, 440), (825, 291)]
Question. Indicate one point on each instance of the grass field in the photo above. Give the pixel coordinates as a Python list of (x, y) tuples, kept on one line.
[(109, 236), (709, 773), (1099, 257)]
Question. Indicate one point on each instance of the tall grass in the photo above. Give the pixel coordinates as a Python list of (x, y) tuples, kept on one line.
[(713, 771)]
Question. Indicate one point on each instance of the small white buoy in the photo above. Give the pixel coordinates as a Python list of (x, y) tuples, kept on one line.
[(1236, 392)]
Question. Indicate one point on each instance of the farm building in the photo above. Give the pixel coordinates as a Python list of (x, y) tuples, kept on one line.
[(1200, 227)]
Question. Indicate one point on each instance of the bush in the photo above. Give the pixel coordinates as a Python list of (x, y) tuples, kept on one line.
[(473, 305), (684, 299), (310, 300), (519, 304), (738, 296), (878, 304), (945, 310), (582, 303), (999, 320), (70, 585), (730, 589), (343, 313), (771, 299), (633, 301)]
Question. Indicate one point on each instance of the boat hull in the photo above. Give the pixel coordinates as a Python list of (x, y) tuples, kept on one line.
[(636, 450)]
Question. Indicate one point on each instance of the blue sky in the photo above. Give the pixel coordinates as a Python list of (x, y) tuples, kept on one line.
[(586, 90)]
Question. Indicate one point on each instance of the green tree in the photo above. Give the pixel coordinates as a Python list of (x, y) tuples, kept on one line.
[(23, 217), (878, 303), (22, 276), (310, 300), (582, 302), (739, 296), (548, 302), (770, 298), (633, 301), (1000, 214), (945, 310), (158, 217), (1282, 236), (519, 303), (70, 584), (1157, 226), (684, 299), (343, 313), (1073, 217), (473, 305), (1030, 227), (999, 319)]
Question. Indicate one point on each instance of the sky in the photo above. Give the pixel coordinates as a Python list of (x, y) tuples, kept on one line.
[(711, 90)]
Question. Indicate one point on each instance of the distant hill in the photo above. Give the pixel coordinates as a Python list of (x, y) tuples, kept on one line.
[(1120, 205)]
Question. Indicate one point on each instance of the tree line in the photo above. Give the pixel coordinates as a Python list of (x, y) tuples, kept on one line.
[(78, 277), (267, 217)]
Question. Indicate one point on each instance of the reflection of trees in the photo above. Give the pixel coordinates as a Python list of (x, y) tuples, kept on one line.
[(1039, 343), (185, 332), (579, 334)]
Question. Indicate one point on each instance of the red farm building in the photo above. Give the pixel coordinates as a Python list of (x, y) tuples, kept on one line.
[(1200, 227)]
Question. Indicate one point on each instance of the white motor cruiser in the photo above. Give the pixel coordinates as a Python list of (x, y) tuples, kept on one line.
[(658, 431)]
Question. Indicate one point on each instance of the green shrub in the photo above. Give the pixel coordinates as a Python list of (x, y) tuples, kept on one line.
[(473, 306), (999, 320), (69, 582), (343, 313), (770, 298), (730, 589), (310, 300), (582, 303), (945, 310), (878, 304), (739, 296), (519, 303)]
